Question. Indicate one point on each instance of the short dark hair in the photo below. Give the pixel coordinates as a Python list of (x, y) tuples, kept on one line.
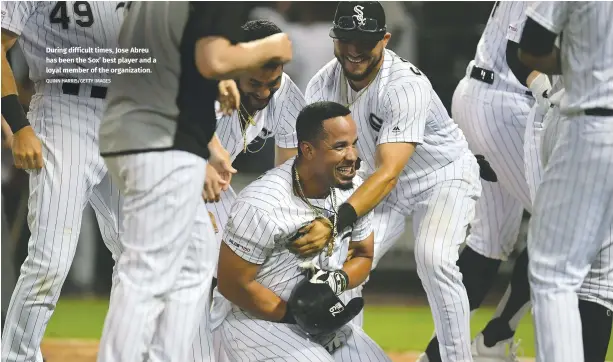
[(310, 121), (259, 29)]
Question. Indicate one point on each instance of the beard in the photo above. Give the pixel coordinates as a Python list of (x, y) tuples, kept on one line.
[(247, 100), (359, 77), (345, 186)]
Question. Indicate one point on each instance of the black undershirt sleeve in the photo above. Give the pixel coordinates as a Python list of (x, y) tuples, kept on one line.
[(216, 18), (518, 68), (535, 39)]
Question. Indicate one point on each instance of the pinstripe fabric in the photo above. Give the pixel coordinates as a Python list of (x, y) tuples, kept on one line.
[(401, 106), (259, 227), (576, 154), (587, 41), (257, 231), (251, 340), (597, 286), (278, 120), (562, 252), (494, 124), (167, 264), (506, 17), (31, 20), (74, 173), (440, 219)]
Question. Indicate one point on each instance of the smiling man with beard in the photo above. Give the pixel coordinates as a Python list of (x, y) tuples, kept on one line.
[(257, 270), (415, 161)]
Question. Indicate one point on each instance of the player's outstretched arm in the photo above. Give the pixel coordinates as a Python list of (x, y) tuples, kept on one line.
[(26, 147), (217, 58), (390, 158), (236, 282)]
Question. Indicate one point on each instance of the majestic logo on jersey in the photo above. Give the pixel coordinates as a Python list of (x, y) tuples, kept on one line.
[(375, 122), (359, 14)]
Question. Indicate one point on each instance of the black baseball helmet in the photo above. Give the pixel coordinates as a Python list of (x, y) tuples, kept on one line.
[(317, 310), (359, 20)]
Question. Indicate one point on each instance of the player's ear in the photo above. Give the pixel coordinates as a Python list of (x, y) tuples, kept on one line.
[(386, 39), (307, 150)]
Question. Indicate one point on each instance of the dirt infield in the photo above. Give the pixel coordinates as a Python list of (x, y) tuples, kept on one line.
[(69, 350)]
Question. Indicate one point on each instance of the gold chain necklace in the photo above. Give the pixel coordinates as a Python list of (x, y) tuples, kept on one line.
[(318, 213), (245, 122), (345, 90)]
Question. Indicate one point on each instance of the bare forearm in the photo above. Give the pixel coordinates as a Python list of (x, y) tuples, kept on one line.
[(257, 300), (357, 269), (217, 58), (372, 192), (9, 86), (548, 64)]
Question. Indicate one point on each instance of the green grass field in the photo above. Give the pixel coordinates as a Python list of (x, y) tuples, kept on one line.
[(396, 329)]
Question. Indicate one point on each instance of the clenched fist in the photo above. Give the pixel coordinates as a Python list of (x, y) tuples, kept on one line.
[(27, 149)]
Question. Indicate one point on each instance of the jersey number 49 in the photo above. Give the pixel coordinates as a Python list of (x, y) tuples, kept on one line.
[(82, 13)]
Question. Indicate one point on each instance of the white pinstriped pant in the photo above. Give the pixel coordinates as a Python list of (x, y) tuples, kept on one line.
[(494, 122), (570, 240), (73, 175), (441, 214), (165, 271), (203, 347), (252, 340)]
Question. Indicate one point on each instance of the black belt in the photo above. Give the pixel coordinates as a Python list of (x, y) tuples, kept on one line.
[(486, 76), (73, 89), (603, 112)]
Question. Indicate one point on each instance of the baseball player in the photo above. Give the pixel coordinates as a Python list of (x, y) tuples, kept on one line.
[(259, 274), (578, 170), (415, 161), (156, 138), (491, 105), (57, 143), (270, 103)]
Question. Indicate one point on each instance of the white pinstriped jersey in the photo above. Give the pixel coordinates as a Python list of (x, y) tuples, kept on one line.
[(492, 47), (586, 50), (46, 26), (267, 213), (277, 119), (398, 106)]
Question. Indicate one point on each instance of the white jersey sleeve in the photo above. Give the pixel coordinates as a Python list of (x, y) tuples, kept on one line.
[(363, 227), (552, 15), (405, 111), (15, 15), (286, 111), (250, 232), (515, 29)]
